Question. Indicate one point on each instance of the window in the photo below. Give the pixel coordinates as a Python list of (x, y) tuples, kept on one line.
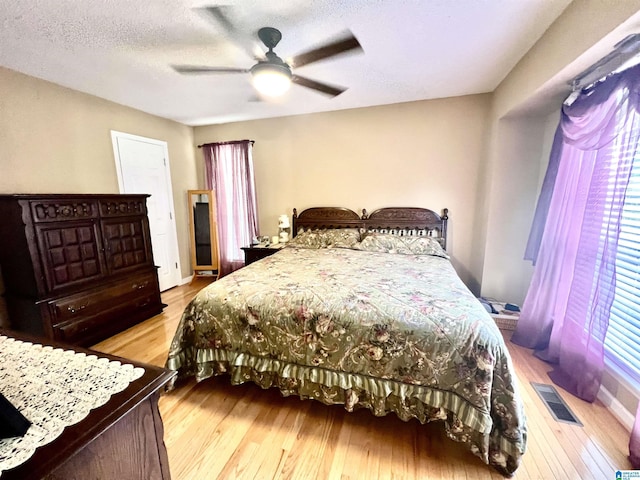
[(622, 343)]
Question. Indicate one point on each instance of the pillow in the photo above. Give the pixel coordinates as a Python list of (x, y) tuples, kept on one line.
[(342, 237), (406, 245), (307, 239), (330, 238)]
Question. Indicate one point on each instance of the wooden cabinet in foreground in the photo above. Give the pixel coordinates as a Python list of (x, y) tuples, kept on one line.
[(204, 235), (123, 439)]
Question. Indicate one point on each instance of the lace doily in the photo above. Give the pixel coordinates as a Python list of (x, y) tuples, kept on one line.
[(54, 389)]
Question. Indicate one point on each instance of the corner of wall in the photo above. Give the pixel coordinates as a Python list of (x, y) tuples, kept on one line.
[(519, 144)]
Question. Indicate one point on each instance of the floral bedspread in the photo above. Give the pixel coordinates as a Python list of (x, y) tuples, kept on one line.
[(389, 332)]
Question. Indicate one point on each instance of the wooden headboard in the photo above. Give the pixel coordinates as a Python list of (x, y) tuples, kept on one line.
[(321, 218), (397, 219)]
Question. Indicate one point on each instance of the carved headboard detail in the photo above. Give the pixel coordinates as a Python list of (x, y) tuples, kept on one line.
[(325, 217), (398, 219), (422, 220)]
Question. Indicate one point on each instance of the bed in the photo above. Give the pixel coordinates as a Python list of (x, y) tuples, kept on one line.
[(365, 311)]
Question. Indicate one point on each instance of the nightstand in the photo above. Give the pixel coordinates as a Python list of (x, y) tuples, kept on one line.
[(256, 252)]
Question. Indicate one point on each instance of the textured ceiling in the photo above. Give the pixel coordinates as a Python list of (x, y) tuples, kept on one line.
[(121, 50)]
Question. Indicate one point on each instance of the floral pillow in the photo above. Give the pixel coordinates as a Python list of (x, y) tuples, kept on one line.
[(331, 238), (307, 239), (342, 237), (407, 245)]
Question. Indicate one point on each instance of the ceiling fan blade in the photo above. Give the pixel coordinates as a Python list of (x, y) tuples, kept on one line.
[(218, 14), (332, 49), (195, 69), (320, 87)]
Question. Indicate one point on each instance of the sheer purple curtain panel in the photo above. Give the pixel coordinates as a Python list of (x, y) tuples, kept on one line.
[(542, 208), (567, 306), (546, 301), (229, 172)]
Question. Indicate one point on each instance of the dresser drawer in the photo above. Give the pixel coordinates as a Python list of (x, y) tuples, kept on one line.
[(94, 301), (62, 210), (123, 206), (121, 315)]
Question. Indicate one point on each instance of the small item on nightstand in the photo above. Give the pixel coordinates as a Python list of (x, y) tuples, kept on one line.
[(283, 228), (274, 240)]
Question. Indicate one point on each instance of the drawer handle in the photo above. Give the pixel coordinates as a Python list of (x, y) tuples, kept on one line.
[(143, 303), (73, 309), (136, 286)]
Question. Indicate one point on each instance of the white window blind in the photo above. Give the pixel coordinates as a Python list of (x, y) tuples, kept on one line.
[(622, 343)]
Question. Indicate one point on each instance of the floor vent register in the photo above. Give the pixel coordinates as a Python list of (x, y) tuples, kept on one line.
[(556, 405)]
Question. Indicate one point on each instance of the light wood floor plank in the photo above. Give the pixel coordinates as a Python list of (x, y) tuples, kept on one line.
[(216, 430)]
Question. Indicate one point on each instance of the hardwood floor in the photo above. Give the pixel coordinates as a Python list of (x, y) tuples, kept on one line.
[(214, 430)]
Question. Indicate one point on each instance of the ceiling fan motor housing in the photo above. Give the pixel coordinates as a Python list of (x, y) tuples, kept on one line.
[(273, 64), (270, 37), (271, 77)]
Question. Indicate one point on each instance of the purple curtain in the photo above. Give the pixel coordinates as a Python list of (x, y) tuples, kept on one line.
[(567, 306), (542, 208), (566, 311), (229, 172)]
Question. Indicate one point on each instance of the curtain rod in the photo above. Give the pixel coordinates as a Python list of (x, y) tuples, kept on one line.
[(226, 143), (622, 52)]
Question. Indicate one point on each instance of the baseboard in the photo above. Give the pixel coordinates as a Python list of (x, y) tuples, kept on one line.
[(622, 414), (186, 280)]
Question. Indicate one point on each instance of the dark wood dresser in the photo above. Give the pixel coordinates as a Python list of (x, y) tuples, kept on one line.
[(77, 268), (122, 439)]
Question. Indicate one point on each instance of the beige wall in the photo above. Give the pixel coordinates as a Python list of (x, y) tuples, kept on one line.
[(427, 154), (57, 140), (512, 196)]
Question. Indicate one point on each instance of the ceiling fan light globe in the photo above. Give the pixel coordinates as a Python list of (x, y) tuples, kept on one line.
[(271, 80)]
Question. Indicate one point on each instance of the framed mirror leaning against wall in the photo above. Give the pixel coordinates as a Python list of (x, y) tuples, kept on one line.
[(204, 237)]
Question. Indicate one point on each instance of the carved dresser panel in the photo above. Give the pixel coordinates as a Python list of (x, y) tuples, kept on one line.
[(77, 268)]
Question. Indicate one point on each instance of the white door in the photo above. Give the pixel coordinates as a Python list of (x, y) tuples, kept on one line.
[(143, 167)]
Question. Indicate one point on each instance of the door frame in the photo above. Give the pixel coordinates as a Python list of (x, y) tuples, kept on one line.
[(115, 135)]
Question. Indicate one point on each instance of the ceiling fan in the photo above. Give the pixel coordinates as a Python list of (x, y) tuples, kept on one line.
[(272, 76)]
